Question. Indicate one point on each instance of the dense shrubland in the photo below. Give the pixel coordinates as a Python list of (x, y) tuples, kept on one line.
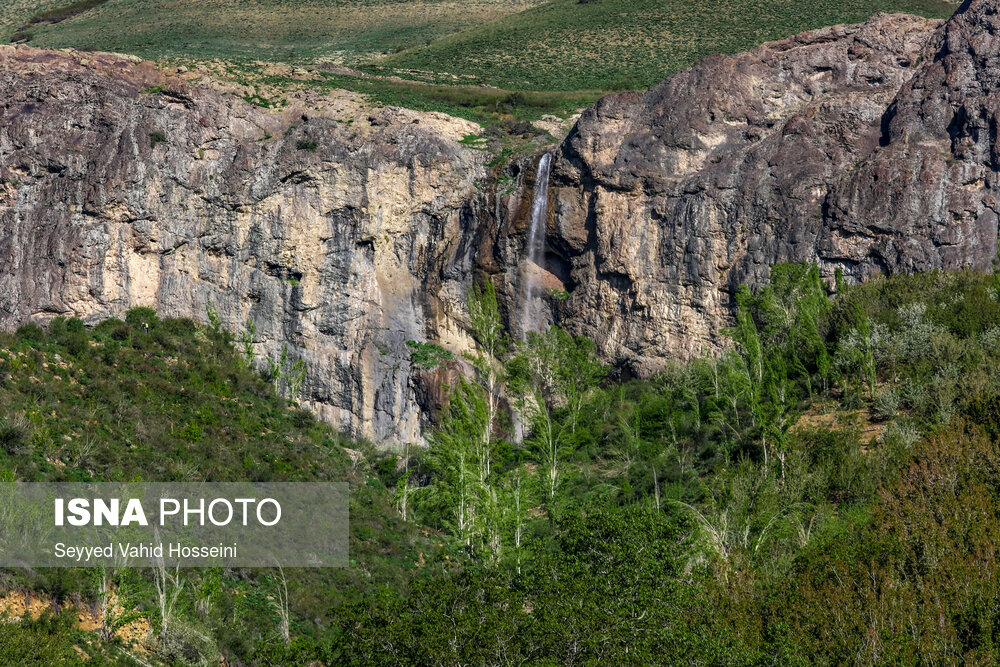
[(170, 400), (825, 491)]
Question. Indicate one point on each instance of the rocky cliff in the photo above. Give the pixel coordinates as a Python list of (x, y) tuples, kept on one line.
[(869, 148), (337, 230), (344, 231)]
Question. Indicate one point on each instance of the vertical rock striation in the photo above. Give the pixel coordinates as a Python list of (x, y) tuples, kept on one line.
[(121, 187)]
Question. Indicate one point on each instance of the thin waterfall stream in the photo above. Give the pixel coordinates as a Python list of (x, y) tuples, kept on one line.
[(531, 311)]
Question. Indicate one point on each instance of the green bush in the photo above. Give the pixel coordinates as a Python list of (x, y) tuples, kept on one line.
[(30, 333), (886, 404), (142, 317), (49, 640), (14, 436)]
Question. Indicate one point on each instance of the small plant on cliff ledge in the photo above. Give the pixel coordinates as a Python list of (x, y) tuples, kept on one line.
[(428, 355), (156, 138), (286, 375), (474, 141), (307, 145), (559, 294)]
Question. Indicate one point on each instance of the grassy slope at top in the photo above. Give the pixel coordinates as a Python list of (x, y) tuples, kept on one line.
[(561, 45), (16, 13), (621, 44), (169, 400), (244, 29)]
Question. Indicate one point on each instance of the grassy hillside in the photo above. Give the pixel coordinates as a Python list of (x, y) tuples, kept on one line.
[(623, 44), (244, 29), (560, 45), (15, 13)]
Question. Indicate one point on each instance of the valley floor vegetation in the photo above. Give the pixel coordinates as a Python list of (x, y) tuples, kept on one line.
[(824, 491), (150, 399)]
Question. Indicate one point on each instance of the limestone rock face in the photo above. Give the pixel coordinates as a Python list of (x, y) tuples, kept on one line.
[(341, 238), (869, 148)]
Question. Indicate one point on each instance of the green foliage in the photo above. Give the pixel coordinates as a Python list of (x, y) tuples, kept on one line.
[(559, 295), (931, 337), (779, 343), (143, 318), (630, 44), (484, 314), (52, 640), (823, 492), (160, 389), (473, 141), (793, 518), (621, 603), (551, 377), (247, 339), (307, 145), (169, 400), (503, 113), (428, 355), (923, 549), (31, 333), (460, 462)]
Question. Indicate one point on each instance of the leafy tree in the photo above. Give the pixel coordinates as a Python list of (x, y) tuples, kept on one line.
[(551, 377), (487, 329), (778, 331), (463, 448), (454, 457)]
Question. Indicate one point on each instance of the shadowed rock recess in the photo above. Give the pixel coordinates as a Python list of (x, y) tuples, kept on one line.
[(867, 148)]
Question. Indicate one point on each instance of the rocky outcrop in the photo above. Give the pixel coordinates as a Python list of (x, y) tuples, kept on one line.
[(339, 230), (867, 148), (926, 198)]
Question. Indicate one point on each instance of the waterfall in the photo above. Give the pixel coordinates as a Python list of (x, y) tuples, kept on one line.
[(535, 248)]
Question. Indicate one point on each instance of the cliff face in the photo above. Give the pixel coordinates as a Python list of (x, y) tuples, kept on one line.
[(344, 232), (664, 202), (869, 148), (338, 231)]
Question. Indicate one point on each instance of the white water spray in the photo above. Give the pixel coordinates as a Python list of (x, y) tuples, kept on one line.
[(535, 248)]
